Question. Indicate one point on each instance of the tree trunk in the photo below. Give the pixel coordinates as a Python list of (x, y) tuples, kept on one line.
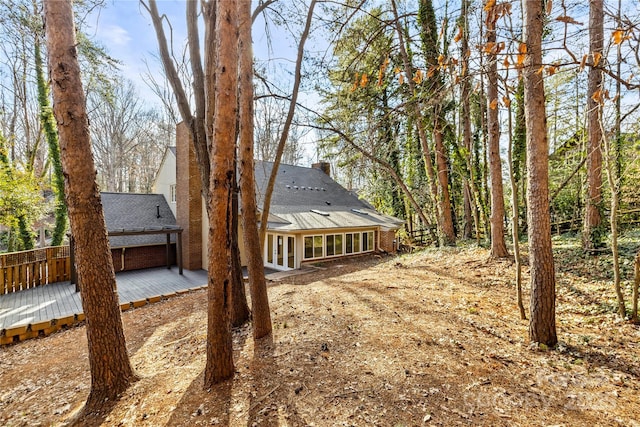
[(498, 245), (636, 285), (51, 135), (253, 249), (593, 202), (470, 207), (221, 80), (542, 326), (240, 313), (448, 230), (612, 177), (195, 124), (419, 120), (515, 227), (111, 371)]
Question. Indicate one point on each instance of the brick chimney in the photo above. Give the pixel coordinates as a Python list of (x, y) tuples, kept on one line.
[(323, 166), (188, 199)]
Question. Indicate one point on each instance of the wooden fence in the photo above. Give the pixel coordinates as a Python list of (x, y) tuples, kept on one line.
[(38, 267)]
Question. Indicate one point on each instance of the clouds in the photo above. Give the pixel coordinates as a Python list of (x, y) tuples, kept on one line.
[(113, 35)]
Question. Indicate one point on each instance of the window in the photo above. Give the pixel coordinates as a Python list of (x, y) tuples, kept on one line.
[(338, 244), (291, 251), (317, 246), (172, 193), (333, 245), (367, 241), (280, 250), (330, 245), (349, 243), (270, 248), (313, 247), (308, 247)]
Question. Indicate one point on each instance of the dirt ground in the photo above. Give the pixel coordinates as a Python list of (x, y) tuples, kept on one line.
[(430, 338)]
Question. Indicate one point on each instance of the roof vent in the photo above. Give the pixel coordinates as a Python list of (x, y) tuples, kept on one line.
[(302, 187), (288, 186), (323, 189), (295, 187), (319, 212), (317, 189), (327, 202), (360, 211)]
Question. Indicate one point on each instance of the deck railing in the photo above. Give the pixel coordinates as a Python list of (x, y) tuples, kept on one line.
[(38, 267)]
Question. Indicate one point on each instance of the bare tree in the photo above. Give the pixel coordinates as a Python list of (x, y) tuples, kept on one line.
[(111, 371), (287, 124), (118, 122)]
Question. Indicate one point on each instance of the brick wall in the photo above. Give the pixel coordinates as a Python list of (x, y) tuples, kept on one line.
[(188, 200), (387, 241), (143, 257)]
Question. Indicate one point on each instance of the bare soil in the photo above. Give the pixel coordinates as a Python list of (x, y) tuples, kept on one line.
[(430, 338)]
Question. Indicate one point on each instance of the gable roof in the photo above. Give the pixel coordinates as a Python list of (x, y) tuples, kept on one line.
[(308, 199), (137, 212), (301, 192)]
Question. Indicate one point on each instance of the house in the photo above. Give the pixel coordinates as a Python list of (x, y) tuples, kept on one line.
[(312, 217), (142, 230)]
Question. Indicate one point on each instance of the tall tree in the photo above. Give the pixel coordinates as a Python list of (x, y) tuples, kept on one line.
[(416, 113), (516, 140), (542, 326), (255, 266), (498, 245), (195, 121), (434, 84), (593, 204), (51, 135), (111, 371), (121, 124), (470, 210), (221, 114)]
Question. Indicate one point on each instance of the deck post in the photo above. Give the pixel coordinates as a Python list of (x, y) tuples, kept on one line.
[(179, 250), (168, 250), (73, 276)]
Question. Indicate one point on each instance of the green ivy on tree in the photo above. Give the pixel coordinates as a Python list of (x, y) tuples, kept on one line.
[(51, 134)]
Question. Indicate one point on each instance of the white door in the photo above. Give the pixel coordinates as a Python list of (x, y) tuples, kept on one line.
[(280, 252)]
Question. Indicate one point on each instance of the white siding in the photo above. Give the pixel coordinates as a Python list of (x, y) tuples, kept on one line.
[(166, 178)]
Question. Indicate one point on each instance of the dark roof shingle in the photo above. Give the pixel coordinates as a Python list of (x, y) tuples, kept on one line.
[(136, 212)]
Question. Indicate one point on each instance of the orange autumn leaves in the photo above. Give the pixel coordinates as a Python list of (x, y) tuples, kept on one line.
[(516, 59), (362, 80)]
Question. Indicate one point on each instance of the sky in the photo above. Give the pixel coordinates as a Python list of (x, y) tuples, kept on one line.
[(125, 29)]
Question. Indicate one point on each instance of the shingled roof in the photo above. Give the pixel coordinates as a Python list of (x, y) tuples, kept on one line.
[(137, 212), (308, 199)]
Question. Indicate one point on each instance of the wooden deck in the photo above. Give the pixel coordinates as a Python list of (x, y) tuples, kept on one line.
[(58, 300)]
